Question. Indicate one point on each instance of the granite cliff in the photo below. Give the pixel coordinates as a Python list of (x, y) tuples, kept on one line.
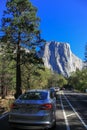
[(59, 58)]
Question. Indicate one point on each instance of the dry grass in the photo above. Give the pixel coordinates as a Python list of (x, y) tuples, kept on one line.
[(5, 103)]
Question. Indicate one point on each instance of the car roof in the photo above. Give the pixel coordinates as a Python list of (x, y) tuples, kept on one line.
[(37, 90)]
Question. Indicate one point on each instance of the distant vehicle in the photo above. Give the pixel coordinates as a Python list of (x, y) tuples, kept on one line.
[(57, 89), (52, 89), (34, 109), (62, 88)]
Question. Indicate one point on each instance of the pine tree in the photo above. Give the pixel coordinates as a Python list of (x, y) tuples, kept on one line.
[(20, 27), (85, 61)]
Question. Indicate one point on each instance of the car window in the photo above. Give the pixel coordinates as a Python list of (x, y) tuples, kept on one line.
[(34, 96)]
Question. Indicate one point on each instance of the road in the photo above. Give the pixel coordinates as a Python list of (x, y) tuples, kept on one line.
[(71, 113)]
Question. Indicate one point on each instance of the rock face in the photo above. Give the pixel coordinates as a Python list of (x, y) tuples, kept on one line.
[(58, 57)]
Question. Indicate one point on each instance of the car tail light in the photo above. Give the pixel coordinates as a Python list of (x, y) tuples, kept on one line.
[(13, 106), (46, 106)]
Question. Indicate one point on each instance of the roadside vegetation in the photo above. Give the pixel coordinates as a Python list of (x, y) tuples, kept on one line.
[(78, 80)]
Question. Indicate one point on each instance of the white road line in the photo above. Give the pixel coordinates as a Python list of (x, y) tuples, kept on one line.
[(76, 112), (65, 117), (70, 114)]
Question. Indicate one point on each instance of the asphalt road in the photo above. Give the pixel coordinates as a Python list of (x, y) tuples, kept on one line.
[(71, 113)]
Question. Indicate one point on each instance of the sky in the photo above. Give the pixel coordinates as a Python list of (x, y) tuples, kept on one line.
[(62, 21)]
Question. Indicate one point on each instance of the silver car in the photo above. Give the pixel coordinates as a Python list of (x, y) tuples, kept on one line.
[(33, 110)]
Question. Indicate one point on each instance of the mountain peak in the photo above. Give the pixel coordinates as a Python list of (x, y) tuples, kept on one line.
[(58, 57)]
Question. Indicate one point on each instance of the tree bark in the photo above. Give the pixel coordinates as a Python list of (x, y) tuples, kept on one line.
[(18, 72)]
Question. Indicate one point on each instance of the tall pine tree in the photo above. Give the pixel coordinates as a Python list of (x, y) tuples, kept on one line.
[(85, 61), (20, 27)]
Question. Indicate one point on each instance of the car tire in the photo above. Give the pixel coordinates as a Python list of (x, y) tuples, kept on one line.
[(13, 128), (53, 127)]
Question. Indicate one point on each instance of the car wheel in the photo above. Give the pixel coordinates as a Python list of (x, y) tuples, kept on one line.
[(53, 127), (12, 128)]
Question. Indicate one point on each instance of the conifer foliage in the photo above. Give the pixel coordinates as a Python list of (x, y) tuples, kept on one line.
[(85, 61), (20, 27)]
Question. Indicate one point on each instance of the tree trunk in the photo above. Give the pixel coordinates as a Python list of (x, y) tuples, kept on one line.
[(3, 88), (3, 92), (18, 72)]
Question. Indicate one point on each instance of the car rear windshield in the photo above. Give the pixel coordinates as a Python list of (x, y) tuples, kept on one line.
[(34, 96)]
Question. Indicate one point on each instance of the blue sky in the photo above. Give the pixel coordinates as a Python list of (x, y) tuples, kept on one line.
[(62, 21)]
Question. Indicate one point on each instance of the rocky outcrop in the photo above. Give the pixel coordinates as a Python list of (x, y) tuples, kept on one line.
[(59, 58)]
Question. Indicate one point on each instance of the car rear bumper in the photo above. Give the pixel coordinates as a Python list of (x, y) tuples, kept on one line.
[(34, 125)]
